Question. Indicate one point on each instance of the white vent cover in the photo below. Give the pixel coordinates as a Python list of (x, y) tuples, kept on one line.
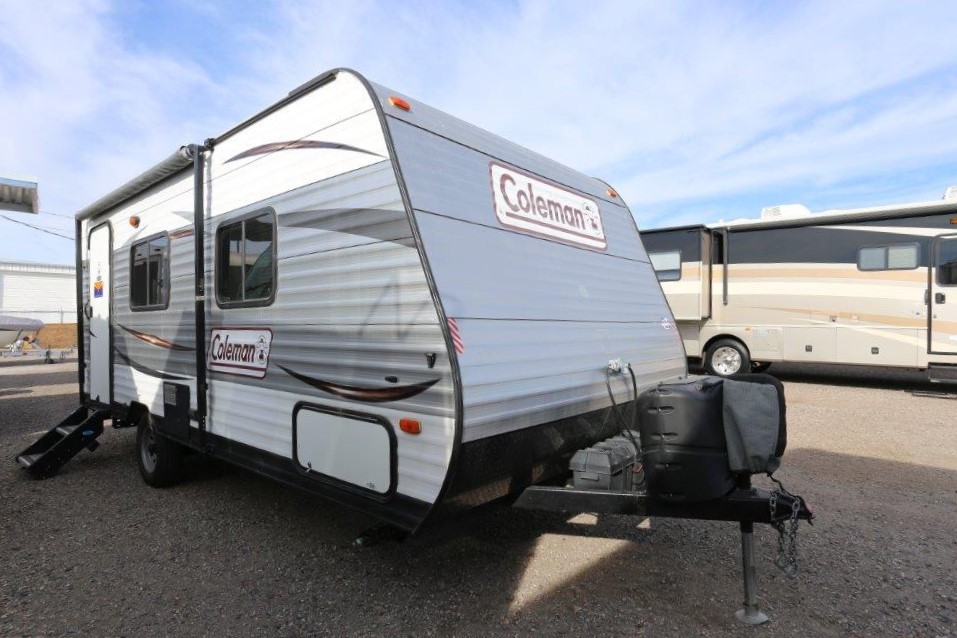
[(950, 194), (784, 211)]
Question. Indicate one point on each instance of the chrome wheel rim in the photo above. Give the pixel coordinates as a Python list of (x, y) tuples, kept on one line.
[(726, 361), (148, 450)]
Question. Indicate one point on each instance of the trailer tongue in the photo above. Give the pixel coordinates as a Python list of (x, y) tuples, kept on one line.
[(692, 457)]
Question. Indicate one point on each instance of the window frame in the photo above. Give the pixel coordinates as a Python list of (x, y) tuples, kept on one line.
[(937, 265), (662, 252), (887, 248), (259, 302), (167, 283)]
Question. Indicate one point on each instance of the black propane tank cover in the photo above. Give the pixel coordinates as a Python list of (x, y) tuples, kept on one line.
[(682, 437)]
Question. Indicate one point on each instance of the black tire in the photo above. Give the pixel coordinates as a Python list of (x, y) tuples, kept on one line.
[(727, 357), (159, 459), (760, 366)]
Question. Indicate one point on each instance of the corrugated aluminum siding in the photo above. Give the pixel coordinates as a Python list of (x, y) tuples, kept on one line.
[(539, 319)]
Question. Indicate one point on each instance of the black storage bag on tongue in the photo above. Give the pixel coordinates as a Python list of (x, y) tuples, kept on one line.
[(755, 423)]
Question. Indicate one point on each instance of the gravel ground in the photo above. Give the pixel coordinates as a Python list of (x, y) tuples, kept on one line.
[(94, 552)]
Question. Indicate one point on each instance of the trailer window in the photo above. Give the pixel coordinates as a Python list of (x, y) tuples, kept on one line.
[(149, 274), (667, 264), (245, 262), (895, 257)]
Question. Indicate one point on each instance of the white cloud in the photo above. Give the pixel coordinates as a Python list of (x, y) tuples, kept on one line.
[(693, 110)]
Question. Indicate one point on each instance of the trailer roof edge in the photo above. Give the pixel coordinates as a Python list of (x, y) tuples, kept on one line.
[(182, 159)]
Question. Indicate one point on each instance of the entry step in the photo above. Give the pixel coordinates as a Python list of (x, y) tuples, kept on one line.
[(65, 440), (942, 374)]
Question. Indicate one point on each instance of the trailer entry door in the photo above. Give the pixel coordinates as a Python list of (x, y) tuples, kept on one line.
[(943, 296), (100, 250)]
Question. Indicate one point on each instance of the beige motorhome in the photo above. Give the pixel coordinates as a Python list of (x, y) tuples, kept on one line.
[(871, 286)]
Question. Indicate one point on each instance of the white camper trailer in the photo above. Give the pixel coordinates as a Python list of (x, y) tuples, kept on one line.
[(871, 286), (363, 297), (359, 295)]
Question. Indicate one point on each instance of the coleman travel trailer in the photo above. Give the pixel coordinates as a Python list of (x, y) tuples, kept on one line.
[(363, 297), (870, 286)]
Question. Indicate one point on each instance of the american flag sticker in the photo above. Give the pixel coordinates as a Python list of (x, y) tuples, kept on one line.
[(456, 337)]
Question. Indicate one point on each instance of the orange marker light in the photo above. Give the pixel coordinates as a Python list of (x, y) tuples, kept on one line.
[(399, 103), (612, 192), (135, 221), (410, 426)]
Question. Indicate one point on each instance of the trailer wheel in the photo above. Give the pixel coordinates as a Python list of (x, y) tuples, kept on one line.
[(159, 459), (760, 366), (726, 357)]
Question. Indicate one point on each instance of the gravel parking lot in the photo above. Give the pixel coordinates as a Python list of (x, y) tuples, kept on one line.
[(96, 552)]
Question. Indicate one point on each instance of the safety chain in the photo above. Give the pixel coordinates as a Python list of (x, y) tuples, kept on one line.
[(786, 559)]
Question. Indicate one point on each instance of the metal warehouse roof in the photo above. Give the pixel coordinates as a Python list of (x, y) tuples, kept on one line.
[(7, 265), (18, 195)]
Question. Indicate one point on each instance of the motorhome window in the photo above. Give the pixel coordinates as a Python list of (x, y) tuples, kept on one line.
[(246, 272), (667, 264), (149, 267), (947, 262), (896, 257)]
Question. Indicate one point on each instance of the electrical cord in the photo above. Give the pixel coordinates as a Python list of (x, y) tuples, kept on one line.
[(626, 430)]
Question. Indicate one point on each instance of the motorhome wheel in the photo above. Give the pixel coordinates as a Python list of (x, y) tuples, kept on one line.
[(159, 459), (726, 357)]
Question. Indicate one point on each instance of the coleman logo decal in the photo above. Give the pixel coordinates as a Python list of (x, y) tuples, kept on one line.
[(527, 203), (242, 351)]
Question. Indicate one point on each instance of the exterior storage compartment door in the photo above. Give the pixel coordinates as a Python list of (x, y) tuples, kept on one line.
[(351, 449), (942, 299)]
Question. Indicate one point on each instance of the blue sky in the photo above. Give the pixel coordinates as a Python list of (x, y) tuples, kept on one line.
[(695, 111)]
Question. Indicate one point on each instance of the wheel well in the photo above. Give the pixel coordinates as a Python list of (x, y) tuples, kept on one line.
[(712, 340)]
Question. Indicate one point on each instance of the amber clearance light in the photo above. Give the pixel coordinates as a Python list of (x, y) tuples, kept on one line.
[(410, 426), (135, 221), (399, 103)]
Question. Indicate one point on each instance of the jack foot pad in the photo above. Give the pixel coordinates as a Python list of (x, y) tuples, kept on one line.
[(751, 615)]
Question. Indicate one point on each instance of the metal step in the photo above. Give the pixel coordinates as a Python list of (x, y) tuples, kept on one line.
[(26, 460), (942, 374), (50, 452)]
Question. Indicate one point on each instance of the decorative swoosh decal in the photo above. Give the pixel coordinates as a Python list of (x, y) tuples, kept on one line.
[(366, 395), (156, 341), (263, 149), (139, 367)]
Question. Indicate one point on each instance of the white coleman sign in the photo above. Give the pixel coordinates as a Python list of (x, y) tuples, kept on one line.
[(243, 351), (527, 203)]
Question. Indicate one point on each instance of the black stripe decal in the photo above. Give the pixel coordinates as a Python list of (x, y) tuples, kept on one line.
[(153, 373), (365, 395), (155, 340), (273, 147)]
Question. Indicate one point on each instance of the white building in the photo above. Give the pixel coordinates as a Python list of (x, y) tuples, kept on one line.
[(39, 291)]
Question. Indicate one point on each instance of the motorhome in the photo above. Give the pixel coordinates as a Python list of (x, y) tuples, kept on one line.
[(869, 286)]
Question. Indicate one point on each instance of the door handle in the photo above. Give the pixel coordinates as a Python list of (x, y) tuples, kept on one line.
[(940, 297), (88, 310)]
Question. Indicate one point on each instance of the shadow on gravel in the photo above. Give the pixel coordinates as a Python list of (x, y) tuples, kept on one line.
[(854, 376), (37, 380)]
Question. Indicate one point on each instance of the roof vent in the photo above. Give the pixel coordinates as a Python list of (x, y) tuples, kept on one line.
[(950, 195), (785, 211)]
